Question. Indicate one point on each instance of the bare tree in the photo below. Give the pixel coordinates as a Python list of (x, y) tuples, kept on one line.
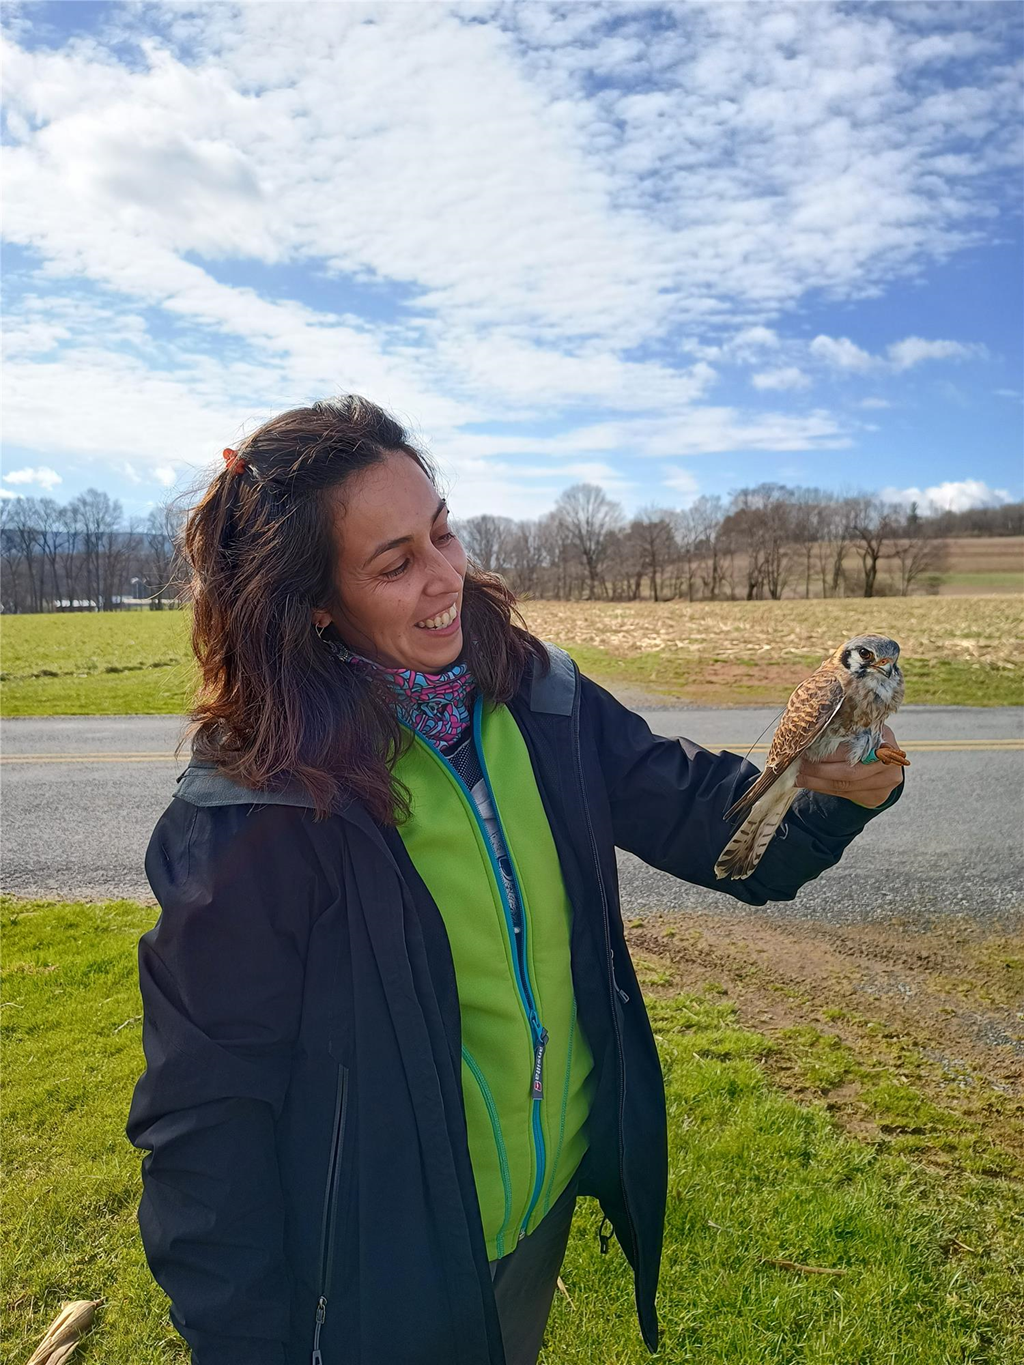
[(161, 562), (100, 518), (836, 532), (810, 513), (707, 516), (23, 529), (486, 540), (761, 520), (915, 551), (872, 524), (525, 555), (587, 517), (70, 555), (653, 532)]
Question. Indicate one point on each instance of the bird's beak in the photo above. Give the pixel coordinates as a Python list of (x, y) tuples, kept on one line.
[(885, 666)]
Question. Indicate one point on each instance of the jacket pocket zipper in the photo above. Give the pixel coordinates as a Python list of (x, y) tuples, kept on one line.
[(499, 1142), (330, 1201)]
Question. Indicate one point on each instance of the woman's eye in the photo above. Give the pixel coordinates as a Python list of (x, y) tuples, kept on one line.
[(396, 573)]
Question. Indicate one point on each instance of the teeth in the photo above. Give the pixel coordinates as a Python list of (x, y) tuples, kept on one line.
[(439, 622)]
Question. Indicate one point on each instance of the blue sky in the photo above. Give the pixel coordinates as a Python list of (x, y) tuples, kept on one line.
[(669, 249)]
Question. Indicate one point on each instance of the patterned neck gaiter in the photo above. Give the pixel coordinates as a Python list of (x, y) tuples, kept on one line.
[(436, 705)]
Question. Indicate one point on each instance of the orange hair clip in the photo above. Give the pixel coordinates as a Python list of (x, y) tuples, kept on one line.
[(235, 462)]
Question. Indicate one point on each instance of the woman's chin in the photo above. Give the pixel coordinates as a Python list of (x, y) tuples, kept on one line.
[(434, 656)]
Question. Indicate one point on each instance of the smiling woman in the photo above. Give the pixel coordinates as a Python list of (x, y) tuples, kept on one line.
[(391, 1024), (327, 528)]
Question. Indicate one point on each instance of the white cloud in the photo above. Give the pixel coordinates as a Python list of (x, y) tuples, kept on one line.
[(788, 377), (841, 353), (42, 477), (953, 496), (683, 483), (913, 350), (6, 493), (494, 208), (875, 403)]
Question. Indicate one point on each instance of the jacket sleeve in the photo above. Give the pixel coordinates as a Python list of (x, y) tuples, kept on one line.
[(221, 978), (669, 797)]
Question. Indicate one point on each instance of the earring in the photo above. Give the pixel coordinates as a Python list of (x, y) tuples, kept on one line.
[(319, 630)]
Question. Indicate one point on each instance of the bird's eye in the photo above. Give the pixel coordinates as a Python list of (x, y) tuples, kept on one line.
[(867, 656)]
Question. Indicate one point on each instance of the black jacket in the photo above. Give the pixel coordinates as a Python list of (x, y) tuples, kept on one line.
[(302, 1103)]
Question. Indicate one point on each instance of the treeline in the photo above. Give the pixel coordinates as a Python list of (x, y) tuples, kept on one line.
[(767, 541), (83, 556)]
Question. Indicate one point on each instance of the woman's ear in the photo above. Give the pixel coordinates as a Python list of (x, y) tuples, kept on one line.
[(321, 619)]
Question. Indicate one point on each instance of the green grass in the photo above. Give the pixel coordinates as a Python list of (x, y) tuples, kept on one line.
[(933, 682), (97, 663), (110, 663), (779, 1181), (986, 580)]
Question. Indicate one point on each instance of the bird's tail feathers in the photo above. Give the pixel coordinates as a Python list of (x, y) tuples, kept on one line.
[(754, 792), (745, 849)]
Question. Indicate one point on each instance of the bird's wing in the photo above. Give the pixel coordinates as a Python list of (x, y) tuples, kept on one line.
[(807, 712)]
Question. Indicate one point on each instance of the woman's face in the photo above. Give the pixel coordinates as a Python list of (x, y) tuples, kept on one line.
[(386, 590)]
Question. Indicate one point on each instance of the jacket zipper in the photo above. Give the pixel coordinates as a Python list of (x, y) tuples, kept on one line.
[(517, 942), (330, 1200), (538, 1032), (612, 983)]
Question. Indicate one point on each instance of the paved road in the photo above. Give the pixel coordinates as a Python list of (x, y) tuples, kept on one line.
[(83, 793)]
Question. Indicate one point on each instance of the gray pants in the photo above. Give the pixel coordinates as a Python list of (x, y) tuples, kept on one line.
[(525, 1280)]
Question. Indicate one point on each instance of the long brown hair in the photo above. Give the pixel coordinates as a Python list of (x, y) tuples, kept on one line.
[(275, 706)]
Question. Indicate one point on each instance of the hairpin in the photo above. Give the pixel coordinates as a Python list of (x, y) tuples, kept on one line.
[(235, 462)]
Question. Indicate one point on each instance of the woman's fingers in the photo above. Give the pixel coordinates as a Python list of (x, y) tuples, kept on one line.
[(867, 784)]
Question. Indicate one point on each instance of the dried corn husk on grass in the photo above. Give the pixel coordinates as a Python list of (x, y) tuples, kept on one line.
[(64, 1332)]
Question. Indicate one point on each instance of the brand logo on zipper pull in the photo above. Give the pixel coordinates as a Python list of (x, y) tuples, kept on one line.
[(537, 1089)]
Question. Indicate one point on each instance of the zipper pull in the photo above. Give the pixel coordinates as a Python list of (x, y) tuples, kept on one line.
[(618, 989), (603, 1237), (321, 1313), (537, 1088)]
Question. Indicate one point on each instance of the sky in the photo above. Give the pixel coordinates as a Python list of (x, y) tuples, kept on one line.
[(673, 250)]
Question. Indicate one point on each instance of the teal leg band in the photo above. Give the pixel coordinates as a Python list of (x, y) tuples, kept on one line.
[(870, 757)]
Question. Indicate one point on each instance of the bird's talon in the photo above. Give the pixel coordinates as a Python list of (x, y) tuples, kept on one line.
[(888, 753)]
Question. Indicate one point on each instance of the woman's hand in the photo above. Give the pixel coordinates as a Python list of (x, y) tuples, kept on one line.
[(865, 784)]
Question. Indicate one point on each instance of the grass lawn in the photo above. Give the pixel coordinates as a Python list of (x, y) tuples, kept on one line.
[(955, 650), (930, 1260)]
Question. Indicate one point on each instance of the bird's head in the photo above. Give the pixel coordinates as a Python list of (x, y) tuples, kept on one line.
[(870, 655)]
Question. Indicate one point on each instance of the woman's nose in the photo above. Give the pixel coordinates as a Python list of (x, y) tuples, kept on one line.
[(446, 577)]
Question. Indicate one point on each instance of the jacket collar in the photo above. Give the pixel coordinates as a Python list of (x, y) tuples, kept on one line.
[(203, 784)]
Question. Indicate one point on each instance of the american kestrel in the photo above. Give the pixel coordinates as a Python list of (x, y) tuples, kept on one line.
[(846, 700)]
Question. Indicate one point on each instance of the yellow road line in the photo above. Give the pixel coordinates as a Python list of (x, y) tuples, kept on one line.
[(937, 746), (737, 747)]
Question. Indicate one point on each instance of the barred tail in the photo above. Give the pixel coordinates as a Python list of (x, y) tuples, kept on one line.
[(745, 849)]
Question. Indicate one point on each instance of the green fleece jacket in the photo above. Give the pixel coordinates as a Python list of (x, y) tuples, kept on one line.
[(526, 1067)]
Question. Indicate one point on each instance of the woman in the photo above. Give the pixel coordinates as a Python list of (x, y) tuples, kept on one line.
[(391, 1025)]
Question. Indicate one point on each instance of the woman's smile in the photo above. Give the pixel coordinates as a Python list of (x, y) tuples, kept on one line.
[(445, 623)]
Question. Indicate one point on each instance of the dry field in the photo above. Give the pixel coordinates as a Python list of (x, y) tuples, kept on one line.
[(979, 564), (957, 650), (988, 629)]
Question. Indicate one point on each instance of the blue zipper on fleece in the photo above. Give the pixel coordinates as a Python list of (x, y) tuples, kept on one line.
[(539, 1032), (517, 942)]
